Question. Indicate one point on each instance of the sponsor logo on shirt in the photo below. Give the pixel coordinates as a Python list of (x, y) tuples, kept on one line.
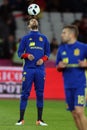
[(37, 47), (32, 44), (65, 60)]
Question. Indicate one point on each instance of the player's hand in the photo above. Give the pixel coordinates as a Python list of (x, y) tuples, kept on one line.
[(39, 62), (82, 63), (30, 57), (62, 64)]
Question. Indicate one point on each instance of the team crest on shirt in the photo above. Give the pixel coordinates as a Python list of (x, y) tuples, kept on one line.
[(40, 39), (77, 52)]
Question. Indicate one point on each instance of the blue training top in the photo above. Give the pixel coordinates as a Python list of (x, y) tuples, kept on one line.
[(34, 43), (74, 76)]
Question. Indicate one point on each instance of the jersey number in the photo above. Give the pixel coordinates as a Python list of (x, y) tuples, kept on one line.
[(81, 100)]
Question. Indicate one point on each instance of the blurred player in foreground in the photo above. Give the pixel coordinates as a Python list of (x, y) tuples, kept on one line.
[(34, 49), (70, 60)]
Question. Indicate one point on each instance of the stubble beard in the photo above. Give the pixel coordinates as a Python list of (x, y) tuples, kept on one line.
[(66, 41), (34, 27)]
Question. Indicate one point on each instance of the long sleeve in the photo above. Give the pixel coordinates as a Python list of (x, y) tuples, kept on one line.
[(47, 48), (21, 48)]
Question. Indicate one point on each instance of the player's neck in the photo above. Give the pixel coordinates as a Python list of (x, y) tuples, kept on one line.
[(72, 41), (33, 29)]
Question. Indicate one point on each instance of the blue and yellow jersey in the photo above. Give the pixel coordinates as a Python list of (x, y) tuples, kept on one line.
[(34, 43), (74, 76)]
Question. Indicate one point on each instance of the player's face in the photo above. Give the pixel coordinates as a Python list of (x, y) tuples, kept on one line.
[(66, 35), (33, 24)]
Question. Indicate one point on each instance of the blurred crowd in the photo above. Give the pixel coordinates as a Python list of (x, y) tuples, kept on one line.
[(63, 5), (82, 26), (66, 5), (8, 44)]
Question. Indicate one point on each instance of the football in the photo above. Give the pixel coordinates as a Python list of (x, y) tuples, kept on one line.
[(33, 9)]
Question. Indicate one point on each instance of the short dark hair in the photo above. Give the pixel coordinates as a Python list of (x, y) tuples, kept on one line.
[(73, 28)]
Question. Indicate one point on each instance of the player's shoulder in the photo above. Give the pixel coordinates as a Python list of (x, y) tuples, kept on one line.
[(62, 45), (26, 37), (44, 38), (42, 35), (82, 44), (79, 43)]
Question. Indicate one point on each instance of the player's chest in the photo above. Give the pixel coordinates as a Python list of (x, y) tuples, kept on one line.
[(73, 53), (35, 42)]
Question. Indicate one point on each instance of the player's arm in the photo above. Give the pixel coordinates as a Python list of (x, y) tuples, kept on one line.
[(83, 63), (60, 65), (46, 50), (21, 50), (46, 53)]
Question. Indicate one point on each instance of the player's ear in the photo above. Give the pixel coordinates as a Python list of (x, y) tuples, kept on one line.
[(28, 26)]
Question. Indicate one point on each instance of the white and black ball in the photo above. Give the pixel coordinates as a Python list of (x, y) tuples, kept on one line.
[(33, 9)]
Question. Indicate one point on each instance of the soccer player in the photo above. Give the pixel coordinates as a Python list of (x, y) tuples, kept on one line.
[(34, 48), (70, 60)]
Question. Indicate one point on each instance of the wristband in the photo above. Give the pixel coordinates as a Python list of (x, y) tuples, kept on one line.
[(44, 58), (59, 68), (25, 55)]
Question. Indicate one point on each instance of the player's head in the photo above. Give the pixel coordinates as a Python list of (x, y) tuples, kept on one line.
[(69, 33), (33, 24)]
